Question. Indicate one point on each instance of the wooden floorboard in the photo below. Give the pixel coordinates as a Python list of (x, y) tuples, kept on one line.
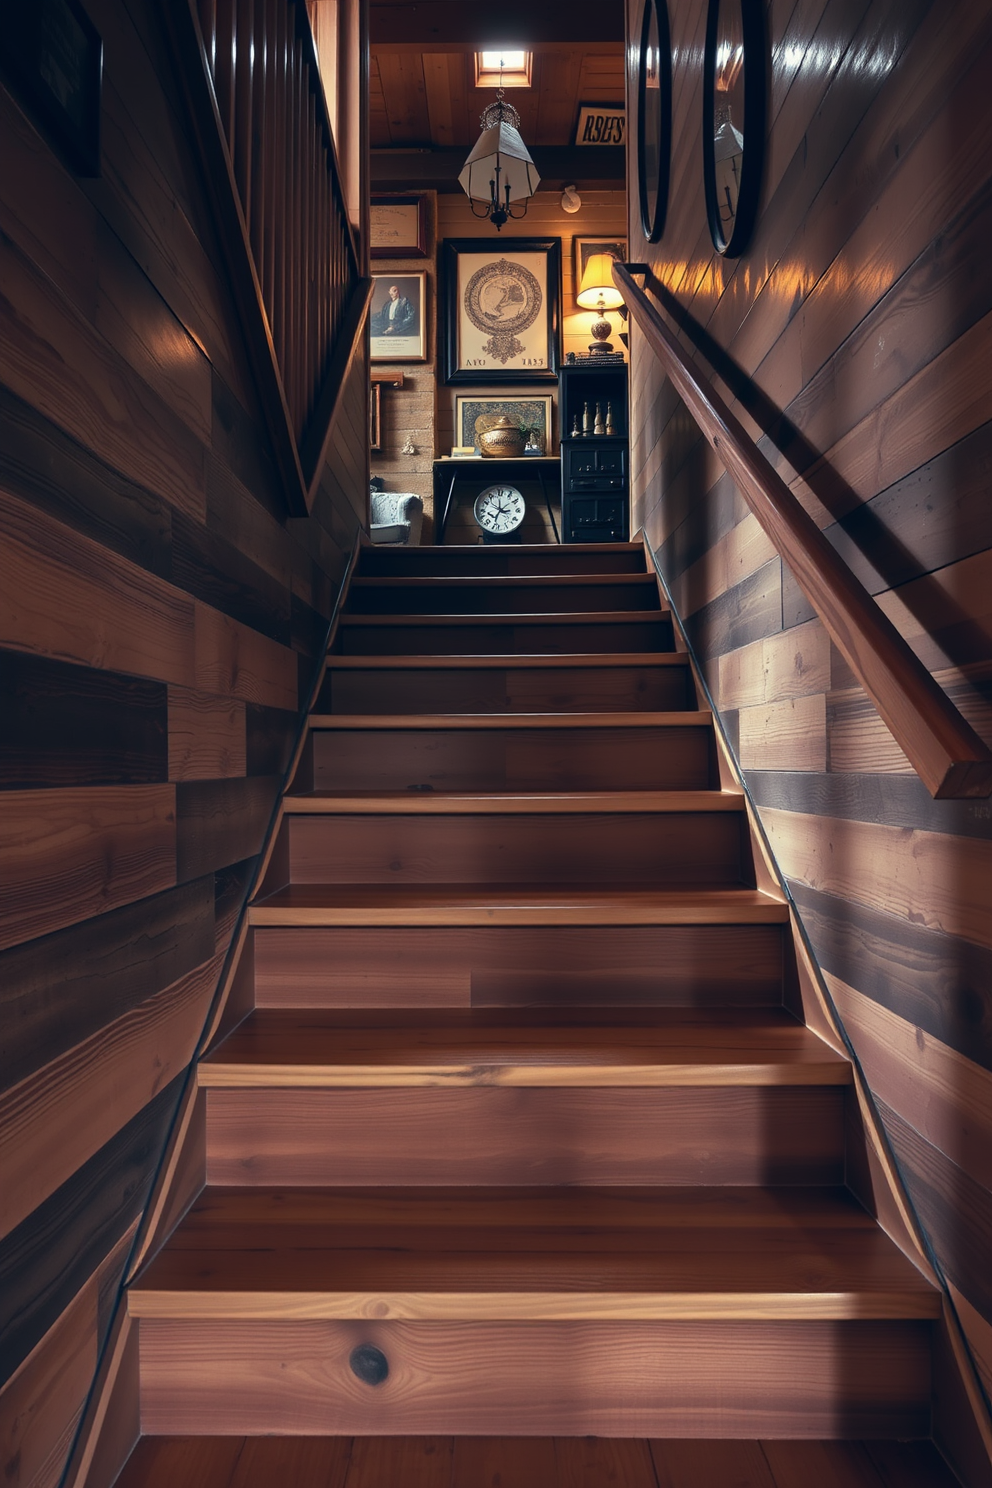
[(528, 1462)]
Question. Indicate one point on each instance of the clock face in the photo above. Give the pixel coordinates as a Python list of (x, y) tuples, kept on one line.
[(499, 509)]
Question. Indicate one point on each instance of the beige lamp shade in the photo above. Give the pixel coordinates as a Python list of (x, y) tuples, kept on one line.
[(597, 285), (517, 169)]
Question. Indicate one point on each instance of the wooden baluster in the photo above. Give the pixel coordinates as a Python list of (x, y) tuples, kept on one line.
[(299, 119), (224, 66), (311, 260), (271, 160), (208, 30), (259, 198), (244, 101), (281, 152)]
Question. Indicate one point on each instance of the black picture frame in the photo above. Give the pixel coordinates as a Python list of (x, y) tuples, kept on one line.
[(412, 244), (753, 157), (654, 213), (500, 364), (51, 56)]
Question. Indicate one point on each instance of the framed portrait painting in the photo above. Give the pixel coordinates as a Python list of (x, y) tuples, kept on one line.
[(502, 310), (398, 317)]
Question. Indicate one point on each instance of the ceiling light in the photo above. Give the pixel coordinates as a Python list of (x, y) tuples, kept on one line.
[(500, 169)]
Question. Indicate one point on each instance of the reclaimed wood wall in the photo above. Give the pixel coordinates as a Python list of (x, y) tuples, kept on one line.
[(160, 622), (854, 336)]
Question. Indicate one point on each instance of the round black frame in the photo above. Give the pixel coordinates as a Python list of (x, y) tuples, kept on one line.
[(653, 227), (755, 89)]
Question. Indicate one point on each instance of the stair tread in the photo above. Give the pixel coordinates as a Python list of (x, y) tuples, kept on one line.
[(517, 617), (520, 1047), (497, 582), (562, 1462), (524, 661), (452, 722), (513, 803), (426, 1254), (515, 904)]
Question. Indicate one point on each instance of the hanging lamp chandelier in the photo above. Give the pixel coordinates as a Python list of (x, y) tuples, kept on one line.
[(499, 171)]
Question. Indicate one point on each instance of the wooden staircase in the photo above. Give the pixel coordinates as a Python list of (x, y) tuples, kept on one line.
[(523, 1135)]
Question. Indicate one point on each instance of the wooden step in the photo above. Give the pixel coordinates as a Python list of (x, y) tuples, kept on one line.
[(570, 966), (484, 594), (577, 752), (483, 635), (549, 558), (434, 1135), (516, 904), (529, 1462), (579, 838), (473, 1255), (568, 1047), (506, 684)]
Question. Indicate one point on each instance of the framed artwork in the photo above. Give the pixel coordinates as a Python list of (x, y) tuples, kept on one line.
[(654, 118), (601, 124), (583, 250), (398, 317), (52, 57), (398, 227), (474, 415), (502, 310)]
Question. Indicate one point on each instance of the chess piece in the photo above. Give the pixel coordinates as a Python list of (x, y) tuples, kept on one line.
[(576, 427), (586, 419), (599, 427), (611, 427)]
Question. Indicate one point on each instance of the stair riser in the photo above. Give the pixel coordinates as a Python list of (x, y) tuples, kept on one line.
[(663, 966), (643, 849), (485, 1135), (511, 690), (677, 758), (455, 562), (534, 598), (520, 638), (800, 1380)]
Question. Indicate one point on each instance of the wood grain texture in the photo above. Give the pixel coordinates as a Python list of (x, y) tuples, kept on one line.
[(66, 597), (71, 854), (56, 1119), (569, 966), (206, 736), (295, 1377), (462, 1136)]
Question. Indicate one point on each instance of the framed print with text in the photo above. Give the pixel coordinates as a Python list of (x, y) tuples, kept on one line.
[(502, 310), (398, 317), (398, 227)]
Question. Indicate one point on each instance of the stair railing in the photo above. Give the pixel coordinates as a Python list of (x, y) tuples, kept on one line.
[(940, 744), (257, 102)]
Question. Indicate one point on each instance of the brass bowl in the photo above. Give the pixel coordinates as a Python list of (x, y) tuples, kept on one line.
[(504, 440)]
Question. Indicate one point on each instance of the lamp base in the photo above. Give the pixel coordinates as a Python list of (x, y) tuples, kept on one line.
[(601, 349), (601, 329)]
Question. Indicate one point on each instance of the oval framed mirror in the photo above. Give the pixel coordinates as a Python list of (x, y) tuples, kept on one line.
[(654, 117), (734, 83)]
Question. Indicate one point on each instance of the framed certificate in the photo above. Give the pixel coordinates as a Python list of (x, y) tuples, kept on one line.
[(502, 309), (398, 227)]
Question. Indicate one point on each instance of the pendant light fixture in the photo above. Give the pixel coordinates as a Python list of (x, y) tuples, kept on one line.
[(499, 170)]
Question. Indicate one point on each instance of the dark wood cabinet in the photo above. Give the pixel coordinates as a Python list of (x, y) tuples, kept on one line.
[(595, 468)]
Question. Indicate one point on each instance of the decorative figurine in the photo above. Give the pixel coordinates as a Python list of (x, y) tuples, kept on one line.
[(586, 419), (599, 427), (611, 427), (576, 427)]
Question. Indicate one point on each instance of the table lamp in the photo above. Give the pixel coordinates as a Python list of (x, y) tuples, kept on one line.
[(598, 292)]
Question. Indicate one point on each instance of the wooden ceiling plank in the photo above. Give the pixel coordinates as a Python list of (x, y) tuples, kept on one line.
[(405, 94), (529, 22)]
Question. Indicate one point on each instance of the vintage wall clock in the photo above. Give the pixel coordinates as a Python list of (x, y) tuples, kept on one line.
[(499, 511)]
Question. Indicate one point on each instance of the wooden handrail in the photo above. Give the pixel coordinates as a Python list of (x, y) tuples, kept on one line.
[(943, 748), (257, 100)]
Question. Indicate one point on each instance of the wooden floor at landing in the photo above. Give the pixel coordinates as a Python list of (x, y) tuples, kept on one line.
[(527, 1462)]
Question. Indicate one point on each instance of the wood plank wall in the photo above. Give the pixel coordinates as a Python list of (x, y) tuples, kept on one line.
[(159, 625), (424, 410), (855, 337)]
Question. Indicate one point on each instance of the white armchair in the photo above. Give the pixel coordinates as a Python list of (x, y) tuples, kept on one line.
[(397, 517)]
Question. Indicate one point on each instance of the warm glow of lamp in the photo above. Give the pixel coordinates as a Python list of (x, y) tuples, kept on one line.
[(598, 292)]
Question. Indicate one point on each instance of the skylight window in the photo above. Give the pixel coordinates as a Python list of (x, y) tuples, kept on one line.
[(514, 66)]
